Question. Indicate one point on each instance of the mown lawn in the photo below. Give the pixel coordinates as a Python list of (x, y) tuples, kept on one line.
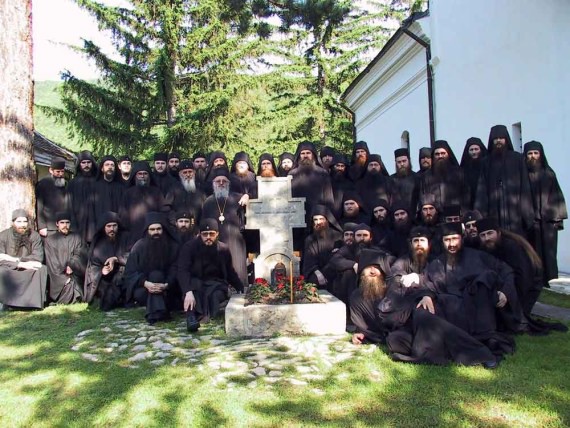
[(556, 299), (44, 383)]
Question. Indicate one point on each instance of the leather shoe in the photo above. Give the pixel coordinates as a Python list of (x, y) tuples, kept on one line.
[(491, 364), (192, 323)]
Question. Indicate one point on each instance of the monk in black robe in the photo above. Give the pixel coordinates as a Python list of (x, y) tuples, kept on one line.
[(138, 200), (80, 190), (65, 260), (286, 163), (358, 161), (384, 311), (187, 196), (216, 160), (319, 246), (223, 206), (474, 291), (206, 275), (106, 264), (424, 159), (108, 190), (266, 166), (381, 223), (339, 181), (549, 208), (125, 166), (51, 197), (23, 278), (375, 183), (516, 252), (473, 154), (503, 191), (186, 227), (242, 178), (402, 220), (445, 180), (310, 180), (471, 234), (345, 262), (200, 162), (405, 180), (163, 179), (409, 269), (354, 210), (150, 273)]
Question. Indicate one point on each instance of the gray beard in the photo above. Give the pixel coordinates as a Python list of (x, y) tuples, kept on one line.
[(221, 193), (59, 182), (189, 185), (141, 183)]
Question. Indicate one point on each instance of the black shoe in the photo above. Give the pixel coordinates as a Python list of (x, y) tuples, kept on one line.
[(192, 323), (491, 364)]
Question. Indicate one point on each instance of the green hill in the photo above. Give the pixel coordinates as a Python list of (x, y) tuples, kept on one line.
[(46, 94)]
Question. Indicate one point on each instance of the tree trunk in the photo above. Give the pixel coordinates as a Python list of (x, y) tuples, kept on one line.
[(17, 169)]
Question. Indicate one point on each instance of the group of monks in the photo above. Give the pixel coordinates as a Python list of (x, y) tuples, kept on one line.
[(121, 233)]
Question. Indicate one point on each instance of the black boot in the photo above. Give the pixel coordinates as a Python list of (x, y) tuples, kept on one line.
[(192, 323)]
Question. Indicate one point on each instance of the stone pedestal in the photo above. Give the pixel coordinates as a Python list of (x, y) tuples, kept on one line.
[(287, 319)]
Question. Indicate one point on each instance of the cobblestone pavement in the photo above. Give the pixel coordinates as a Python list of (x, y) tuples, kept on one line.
[(256, 361)]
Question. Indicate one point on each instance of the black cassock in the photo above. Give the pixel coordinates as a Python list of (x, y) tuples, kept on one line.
[(230, 228), (372, 187), (24, 288), (208, 272), (107, 196), (317, 254), (414, 335), (137, 202), (108, 288), (62, 251), (406, 189), (466, 295), (143, 266), (80, 191), (503, 191), (49, 201), (549, 213)]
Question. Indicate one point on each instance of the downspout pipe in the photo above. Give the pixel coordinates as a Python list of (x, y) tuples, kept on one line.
[(427, 47), (352, 119)]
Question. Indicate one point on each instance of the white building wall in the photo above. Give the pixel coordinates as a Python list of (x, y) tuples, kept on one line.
[(505, 62), (391, 99)]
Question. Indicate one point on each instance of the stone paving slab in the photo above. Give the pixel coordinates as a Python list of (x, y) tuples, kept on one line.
[(296, 360), (550, 311)]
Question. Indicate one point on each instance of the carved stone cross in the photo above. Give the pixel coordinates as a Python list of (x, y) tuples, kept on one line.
[(275, 213)]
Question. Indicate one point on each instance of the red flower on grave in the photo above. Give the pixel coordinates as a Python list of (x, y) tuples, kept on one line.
[(300, 278)]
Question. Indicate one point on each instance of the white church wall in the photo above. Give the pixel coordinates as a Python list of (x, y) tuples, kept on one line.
[(505, 62), (391, 99)]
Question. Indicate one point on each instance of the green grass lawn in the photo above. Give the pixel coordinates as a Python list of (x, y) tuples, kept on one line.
[(43, 382), (556, 299)]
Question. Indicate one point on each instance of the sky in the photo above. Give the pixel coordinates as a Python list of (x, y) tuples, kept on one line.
[(57, 23)]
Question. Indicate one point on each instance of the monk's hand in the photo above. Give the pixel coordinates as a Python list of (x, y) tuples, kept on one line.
[(8, 258), (106, 270), (355, 267), (320, 278), (357, 338), (29, 265), (410, 279), (151, 287), (43, 232), (110, 262), (189, 301), (427, 304), (502, 299), (244, 200), (68, 270)]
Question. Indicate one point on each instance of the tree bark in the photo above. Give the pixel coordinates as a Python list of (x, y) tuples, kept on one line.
[(17, 169)]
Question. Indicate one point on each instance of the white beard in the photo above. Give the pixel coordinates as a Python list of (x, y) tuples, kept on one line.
[(189, 185), (59, 182), (221, 193)]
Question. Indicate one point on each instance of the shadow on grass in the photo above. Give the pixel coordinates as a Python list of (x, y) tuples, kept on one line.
[(44, 383)]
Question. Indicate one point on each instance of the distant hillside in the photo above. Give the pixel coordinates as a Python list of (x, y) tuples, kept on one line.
[(45, 93)]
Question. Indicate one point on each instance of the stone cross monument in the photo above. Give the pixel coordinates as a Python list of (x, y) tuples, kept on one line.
[(275, 213)]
